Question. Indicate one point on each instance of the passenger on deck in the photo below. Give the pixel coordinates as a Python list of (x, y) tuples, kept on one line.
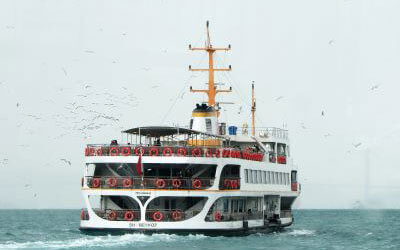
[(158, 142), (114, 142)]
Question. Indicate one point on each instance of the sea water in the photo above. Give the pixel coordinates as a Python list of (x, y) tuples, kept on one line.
[(312, 229)]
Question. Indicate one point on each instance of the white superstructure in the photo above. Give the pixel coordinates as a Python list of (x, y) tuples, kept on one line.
[(204, 178)]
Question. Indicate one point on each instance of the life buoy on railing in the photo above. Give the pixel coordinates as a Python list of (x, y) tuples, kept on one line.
[(176, 183), (181, 151), (227, 183), (160, 183), (99, 151), (129, 215), (234, 184), (114, 151), (158, 216), (196, 152), (96, 182), (196, 183), (225, 153), (127, 182), (217, 153), (217, 216), (138, 150), (153, 151), (209, 152), (176, 215), (112, 215), (112, 182), (167, 151), (126, 151)]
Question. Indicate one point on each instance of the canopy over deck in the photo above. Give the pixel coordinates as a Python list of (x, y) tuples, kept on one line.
[(159, 131)]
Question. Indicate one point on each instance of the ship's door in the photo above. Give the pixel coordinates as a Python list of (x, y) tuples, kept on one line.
[(294, 180), (272, 207)]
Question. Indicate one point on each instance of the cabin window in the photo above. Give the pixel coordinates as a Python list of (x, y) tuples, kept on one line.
[(226, 205), (246, 177), (259, 178), (263, 177), (276, 178), (208, 125), (240, 204), (281, 149), (254, 174), (288, 151), (191, 123), (294, 176), (270, 146)]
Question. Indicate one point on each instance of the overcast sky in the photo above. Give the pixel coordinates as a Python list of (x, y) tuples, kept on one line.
[(77, 72)]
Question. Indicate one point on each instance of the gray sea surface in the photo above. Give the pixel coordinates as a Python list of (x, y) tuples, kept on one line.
[(313, 229)]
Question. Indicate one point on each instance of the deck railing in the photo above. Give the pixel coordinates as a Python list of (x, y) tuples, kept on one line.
[(264, 132), (229, 183), (112, 182), (237, 216), (131, 150), (169, 214), (119, 214)]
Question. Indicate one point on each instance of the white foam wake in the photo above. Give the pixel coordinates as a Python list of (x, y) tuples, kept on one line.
[(299, 232), (100, 241)]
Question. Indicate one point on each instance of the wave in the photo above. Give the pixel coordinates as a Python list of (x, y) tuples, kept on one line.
[(101, 241), (299, 232)]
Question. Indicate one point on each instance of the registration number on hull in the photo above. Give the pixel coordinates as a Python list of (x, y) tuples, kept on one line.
[(142, 225)]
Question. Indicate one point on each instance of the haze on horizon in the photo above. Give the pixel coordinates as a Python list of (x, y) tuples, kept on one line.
[(78, 72)]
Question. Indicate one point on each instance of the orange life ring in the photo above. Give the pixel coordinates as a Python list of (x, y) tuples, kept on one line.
[(129, 215), (114, 151), (96, 182), (112, 182), (160, 183), (158, 216), (181, 151), (153, 151), (176, 215), (217, 216), (227, 183), (126, 151), (112, 215), (127, 182), (176, 183), (167, 151), (209, 152), (196, 152), (137, 151), (196, 183)]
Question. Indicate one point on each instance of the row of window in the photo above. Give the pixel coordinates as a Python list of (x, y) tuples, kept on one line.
[(266, 177)]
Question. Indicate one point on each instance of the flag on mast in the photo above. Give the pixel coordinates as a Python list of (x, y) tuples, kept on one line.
[(139, 164)]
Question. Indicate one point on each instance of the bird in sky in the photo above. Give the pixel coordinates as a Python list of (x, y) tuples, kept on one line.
[(331, 42), (277, 99), (303, 126), (374, 87), (17, 104), (66, 161), (356, 145), (322, 113), (327, 135)]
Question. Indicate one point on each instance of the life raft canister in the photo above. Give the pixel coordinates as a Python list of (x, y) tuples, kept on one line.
[(176, 183), (129, 215), (114, 151), (181, 152), (196, 152), (167, 151), (127, 182), (158, 216), (196, 183), (96, 182), (217, 216), (153, 151), (126, 151), (176, 215), (112, 215), (160, 183), (112, 182)]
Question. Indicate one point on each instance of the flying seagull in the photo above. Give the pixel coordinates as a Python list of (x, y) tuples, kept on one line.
[(66, 161), (357, 144), (277, 99)]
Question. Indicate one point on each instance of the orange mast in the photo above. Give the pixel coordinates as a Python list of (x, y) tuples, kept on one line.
[(253, 111), (212, 90)]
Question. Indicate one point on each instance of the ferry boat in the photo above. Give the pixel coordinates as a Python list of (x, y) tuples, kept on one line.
[(209, 177)]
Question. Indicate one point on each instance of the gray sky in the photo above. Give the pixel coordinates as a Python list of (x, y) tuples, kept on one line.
[(124, 63)]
